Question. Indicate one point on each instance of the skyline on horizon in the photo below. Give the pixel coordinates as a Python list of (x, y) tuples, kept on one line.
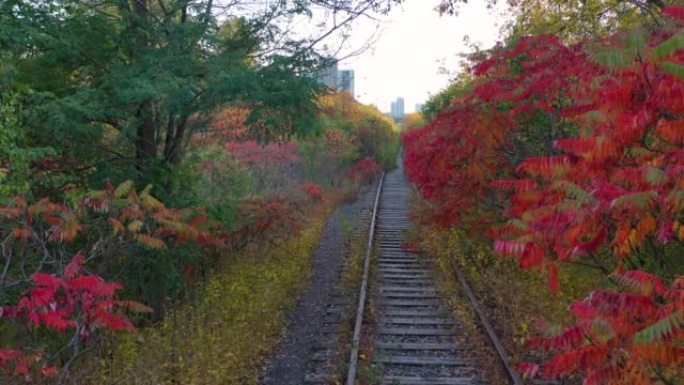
[(411, 42)]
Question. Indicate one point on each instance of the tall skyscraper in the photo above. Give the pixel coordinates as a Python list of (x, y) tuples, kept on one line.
[(346, 81), (397, 110), (329, 76)]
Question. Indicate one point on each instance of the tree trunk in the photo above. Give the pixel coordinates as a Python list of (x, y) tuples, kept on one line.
[(146, 143), (175, 138)]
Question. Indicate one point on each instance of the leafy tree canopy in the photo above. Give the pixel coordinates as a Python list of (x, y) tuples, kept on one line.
[(127, 83), (572, 20)]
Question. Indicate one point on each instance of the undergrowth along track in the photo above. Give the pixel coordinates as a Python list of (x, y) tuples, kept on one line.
[(417, 341)]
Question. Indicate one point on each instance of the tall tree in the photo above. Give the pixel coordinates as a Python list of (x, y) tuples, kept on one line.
[(572, 20), (127, 82)]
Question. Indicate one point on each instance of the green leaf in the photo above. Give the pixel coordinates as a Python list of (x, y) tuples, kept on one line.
[(636, 39), (655, 176), (673, 68), (520, 225), (661, 329), (569, 205), (669, 46), (574, 191), (596, 117), (614, 59), (146, 190), (676, 198), (602, 329), (123, 189), (641, 200)]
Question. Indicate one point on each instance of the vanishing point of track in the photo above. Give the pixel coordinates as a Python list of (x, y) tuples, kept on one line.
[(417, 341)]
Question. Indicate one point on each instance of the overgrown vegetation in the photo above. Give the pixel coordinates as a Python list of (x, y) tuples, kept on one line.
[(566, 158), (148, 150), (240, 199), (204, 340)]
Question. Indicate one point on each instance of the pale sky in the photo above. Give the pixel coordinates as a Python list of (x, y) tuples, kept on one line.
[(414, 42)]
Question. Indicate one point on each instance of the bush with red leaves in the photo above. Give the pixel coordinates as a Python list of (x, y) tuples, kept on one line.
[(61, 307), (576, 154), (314, 191), (364, 170)]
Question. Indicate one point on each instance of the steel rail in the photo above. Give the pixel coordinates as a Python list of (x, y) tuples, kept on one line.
[(491, 334), (356, 339), (511, 373)]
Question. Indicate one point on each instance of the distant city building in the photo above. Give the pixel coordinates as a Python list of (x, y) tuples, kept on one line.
[(419, 107), (397, 110), (346, 81), (337, 80), (329, 76)]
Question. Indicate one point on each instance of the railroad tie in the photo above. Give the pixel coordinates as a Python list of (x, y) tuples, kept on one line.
[(417, 340)]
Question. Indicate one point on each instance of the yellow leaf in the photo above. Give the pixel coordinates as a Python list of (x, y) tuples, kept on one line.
[(123, 189), (632, 239), (135, 226), (646, 226), (150, 241), (117, 226)]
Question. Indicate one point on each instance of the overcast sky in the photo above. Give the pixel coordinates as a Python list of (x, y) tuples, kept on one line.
[(413, 48)]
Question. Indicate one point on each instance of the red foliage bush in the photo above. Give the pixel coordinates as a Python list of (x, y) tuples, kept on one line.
[(227, 125), (264, 219), (263, 156), (72, 301), (454, 159), (564, 153), (56, 294), (364, 170), (620, 337), (272, 166), (314, 191)]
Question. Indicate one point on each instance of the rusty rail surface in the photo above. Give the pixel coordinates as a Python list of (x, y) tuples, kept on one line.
[(416, 339), (356, 338)]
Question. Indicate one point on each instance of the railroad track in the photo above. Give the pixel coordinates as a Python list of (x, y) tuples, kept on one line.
[(417, 342), (327, 359)]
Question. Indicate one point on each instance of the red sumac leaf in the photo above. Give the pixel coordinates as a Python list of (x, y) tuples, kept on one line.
[(553, 277), (74, 267), (674, 11)]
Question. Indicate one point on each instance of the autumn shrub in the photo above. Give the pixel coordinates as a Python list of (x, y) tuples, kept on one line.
[(324, 159), (628, 337), (212, 179), (364, 170), (374, 134), (412, 121), (227, 125), (314, 191), (56, 303), (264, 219), (378, 138), (220, 336), (573, 155), (272, 166)]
